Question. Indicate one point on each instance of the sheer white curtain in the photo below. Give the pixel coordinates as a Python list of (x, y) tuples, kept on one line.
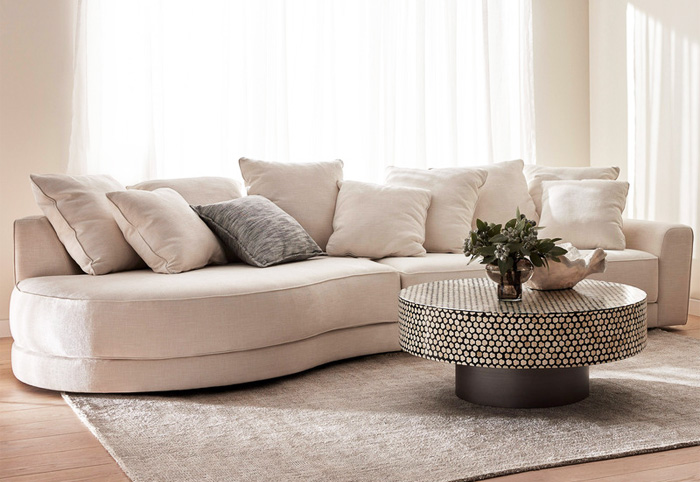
[(663, 83), (182, 88)]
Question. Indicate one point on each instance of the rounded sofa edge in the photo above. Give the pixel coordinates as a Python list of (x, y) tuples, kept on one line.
[(82, 375)]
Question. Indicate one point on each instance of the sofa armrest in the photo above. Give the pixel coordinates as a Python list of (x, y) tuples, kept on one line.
[(673, 245), (38, 251)]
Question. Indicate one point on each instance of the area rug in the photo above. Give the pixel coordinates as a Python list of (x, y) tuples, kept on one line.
[(395, 417)]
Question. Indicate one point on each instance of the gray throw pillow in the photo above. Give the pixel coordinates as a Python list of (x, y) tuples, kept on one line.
[(258, 232)]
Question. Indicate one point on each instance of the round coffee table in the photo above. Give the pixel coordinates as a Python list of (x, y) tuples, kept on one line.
[(533, 353)]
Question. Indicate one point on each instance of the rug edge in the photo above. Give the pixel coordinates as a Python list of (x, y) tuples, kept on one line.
[(97, 434)]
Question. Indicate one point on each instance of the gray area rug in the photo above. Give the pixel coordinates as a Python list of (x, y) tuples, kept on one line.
[(395, 417)]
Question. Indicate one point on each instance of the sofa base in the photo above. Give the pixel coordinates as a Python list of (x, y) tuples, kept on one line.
[(653, 317), (149, 375)]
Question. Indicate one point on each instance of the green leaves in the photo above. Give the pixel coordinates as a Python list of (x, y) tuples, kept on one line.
[(504, 245), (487, 250), (557, 251), (536, 260)]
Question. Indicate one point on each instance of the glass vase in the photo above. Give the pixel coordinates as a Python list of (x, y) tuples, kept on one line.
[(510, 284)]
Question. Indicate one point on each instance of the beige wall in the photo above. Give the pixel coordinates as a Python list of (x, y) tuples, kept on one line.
[(608, 77), (36, 59), (560, 44)]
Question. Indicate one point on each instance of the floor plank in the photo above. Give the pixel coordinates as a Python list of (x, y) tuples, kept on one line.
[(24, 465), (610, 468), (109, 472), (36, 414), (18, 392), (41, 440), (17, 406), (43, 445), (685, 472), (40, 429)]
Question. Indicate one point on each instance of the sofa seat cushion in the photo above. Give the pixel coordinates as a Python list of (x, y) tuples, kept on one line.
[(630, 266), (433, 267), (218, 309)]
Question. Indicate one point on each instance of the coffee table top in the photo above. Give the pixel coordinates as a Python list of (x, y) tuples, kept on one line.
[(480, 294), (463, 322)]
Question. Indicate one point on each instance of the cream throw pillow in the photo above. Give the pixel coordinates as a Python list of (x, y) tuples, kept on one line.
[(198, 190), (307, 192), (165, 231), (80, 214), (454, 195), (535, 175), (504, 192), (587, 214), (375, 221)]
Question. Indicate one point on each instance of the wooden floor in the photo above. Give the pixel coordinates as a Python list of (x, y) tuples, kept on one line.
[(41, 439)]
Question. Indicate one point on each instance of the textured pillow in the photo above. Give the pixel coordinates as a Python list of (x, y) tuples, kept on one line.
[(374, 221), (257, 231), (197, 190), (504, 192), (80, 214), (454, 194), (307, 192), (165, 231), (535, 175), (587, 214)]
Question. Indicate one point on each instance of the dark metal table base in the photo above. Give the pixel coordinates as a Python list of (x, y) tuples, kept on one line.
[(521, 388)]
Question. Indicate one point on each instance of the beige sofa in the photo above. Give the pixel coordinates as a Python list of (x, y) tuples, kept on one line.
[(141, 331)]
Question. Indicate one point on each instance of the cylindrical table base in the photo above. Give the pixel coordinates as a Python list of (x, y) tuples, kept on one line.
[(521, 388)]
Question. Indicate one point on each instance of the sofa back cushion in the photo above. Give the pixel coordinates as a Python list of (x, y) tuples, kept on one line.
[(587, 213), (504, 192), (535, 175), (307, 192), (80, 214), (197, 190), (375, 221), (257, 231), (165, 231), (454, 192)]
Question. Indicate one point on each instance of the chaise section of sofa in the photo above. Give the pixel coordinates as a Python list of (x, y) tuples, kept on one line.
[(143, 331)]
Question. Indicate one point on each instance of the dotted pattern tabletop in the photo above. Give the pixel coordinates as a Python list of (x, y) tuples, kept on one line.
[(462, 321)]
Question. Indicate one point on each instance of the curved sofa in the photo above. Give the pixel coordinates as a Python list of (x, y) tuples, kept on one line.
[(140, 331)]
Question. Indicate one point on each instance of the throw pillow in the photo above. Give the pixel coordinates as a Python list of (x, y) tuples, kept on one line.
[(504, 192), (307, 192), (165, 231), (374, 221), (198, 190), (535, 175), (80, 214), (454, 196), (257, 231), (587, 214)]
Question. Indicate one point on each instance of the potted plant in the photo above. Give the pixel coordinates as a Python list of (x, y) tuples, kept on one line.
[(510, 252)]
